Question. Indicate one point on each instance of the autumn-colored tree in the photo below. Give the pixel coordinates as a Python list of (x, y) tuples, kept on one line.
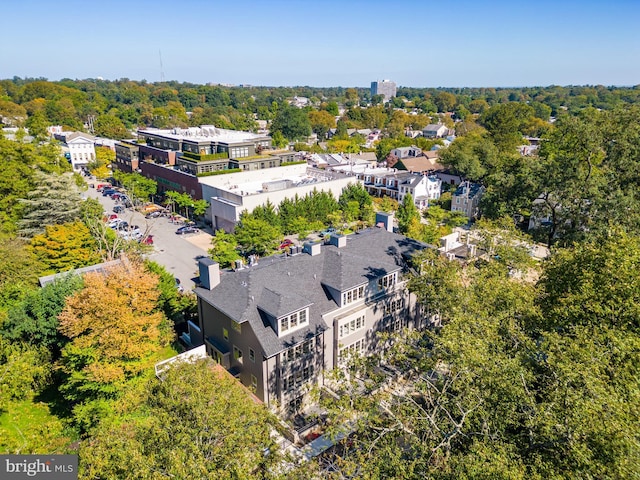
[(65, 247), (321, 122), (115, 328)]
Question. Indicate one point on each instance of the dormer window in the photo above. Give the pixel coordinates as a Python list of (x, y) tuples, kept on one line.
[(293, 321), (387, 281), (352, 295)]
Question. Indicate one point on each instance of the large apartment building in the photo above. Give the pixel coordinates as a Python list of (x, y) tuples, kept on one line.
[(280, 324), (387, 88), (175, 157)]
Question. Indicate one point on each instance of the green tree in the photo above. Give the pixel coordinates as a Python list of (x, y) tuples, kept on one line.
[(54, 201), (472, 156), (437, 285), (110, 126), (256, 236), (407, 212), (445, 101), (12, 113), (505, 123), (197, 421), (225, 249), (293, 123), (177, 306), (140, 188), (35, 319), (332, 108), (19, 271), (356, 192), (37, 125), (24, 371)]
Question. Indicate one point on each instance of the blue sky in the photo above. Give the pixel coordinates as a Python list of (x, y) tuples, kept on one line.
[(423, 43)]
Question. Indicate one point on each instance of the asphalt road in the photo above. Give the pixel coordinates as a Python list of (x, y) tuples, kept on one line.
[(177, 253)]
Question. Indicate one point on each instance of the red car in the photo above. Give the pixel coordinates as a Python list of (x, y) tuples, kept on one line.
[(286, 243), (109, 217), (148, 240)]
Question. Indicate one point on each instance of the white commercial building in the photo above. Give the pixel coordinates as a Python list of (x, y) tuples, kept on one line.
[(232, 193), (80, 147)]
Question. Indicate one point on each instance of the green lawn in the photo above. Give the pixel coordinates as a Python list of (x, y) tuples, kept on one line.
[(29, 427)]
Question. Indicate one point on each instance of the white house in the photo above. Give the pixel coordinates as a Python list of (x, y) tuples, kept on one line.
[(421, 187), (435, 131), (80, 147)]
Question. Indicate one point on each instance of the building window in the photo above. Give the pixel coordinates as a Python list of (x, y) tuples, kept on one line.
[(237, 354), (351, 326), (252, 355), (294, 320), (225, 334), (346, 352), (307, 373), (287, 384), (394, 305), (236, 326), (387, 281), (353, 295), (254, 383), (295, 404)]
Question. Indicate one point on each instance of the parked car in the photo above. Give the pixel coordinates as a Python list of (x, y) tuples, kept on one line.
[(286, 243), (135, 234), (121, 226), (147, 240), (118, 209), (156, 214), (186, 229), (116, 222), (108, 217), (108, 192), (102, 186)]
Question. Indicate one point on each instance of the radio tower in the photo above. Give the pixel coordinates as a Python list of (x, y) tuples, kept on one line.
[(161, 69)]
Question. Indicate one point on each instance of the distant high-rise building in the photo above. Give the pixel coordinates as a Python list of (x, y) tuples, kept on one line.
[(384, 87)]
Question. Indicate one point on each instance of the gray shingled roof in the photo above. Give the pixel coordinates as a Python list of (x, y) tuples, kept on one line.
[(279, 285)]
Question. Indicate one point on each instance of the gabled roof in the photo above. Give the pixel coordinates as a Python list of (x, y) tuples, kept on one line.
[(278, 304), (421, 163), (433, 127), (79, 137), (282, 284)]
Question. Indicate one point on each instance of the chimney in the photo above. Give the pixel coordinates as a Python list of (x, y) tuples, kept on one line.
[(386, 219), (209, 273), (338, 240), (312, 249)]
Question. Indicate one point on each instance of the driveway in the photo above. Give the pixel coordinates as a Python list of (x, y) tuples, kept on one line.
[(177, 253)]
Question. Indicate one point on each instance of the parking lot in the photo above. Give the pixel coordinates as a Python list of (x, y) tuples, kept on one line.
[(177, 253)]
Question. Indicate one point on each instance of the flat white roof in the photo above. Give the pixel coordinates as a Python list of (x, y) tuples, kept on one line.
[(204, 133)]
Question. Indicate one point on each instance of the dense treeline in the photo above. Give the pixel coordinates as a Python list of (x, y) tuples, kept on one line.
[(114, 106)]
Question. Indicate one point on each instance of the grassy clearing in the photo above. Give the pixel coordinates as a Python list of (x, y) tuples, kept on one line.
[(29, 427)]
